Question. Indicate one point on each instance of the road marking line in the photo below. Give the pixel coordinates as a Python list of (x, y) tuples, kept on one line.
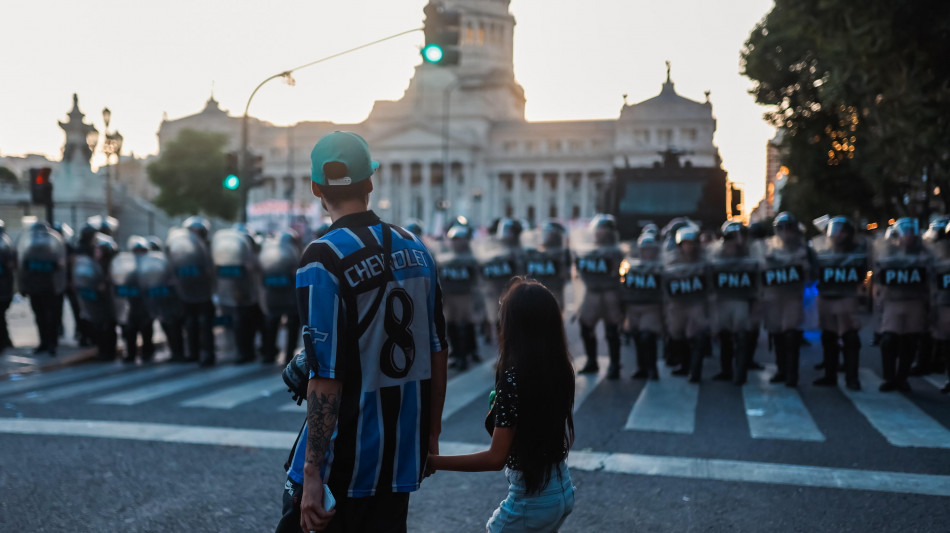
[(584, 384), (614, 463), (233, 396), (666, 405), (775, 411), (48, 379), (469, 386), (936, 381), (198, 378), (125, 378), (897, 418)]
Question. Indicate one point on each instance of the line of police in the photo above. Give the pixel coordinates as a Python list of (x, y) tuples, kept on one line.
[(180, 283), (683, 286)]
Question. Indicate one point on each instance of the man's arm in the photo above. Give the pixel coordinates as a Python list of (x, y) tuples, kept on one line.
[(323, 407)]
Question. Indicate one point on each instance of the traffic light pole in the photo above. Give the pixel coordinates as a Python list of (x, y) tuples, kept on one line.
[(244, 163)]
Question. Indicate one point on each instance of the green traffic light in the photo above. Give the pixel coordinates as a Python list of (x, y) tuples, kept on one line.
[(232, 182), (432, 53)]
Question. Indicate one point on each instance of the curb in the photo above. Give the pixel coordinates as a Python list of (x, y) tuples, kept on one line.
[(80, 356)]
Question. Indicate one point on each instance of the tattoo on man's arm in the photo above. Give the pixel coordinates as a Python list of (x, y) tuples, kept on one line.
[(322, 411)]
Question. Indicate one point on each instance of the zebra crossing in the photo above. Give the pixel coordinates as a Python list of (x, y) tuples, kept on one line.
[(669, 405)]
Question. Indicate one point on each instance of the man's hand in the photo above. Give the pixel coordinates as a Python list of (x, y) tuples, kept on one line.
[(433, 451), (313, 517)]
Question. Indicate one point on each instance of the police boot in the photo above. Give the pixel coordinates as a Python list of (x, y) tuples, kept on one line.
[(471, 341), (613, 350), (129, 337), (679, 356), (889, 347), (752, 338), (852, 353), (668, 351), (776, 339), (590, 347), (793, 340), (944, 348), (924, 356), (638, 343), (457, 352), (905, 358), (740, 340), (697, 347), (649, 340), (726, 355), (829, 359)]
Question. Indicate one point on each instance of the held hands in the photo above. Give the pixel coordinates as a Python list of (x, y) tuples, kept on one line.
[(432, 458), (313, 516)]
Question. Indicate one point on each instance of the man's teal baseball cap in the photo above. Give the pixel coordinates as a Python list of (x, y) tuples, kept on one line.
[(342, 147)]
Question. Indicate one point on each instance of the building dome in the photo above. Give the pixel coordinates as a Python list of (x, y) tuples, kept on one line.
[(668, 105)]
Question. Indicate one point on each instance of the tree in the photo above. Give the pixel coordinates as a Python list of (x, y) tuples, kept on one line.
[(7, 177), (189, 174), (863, 92)]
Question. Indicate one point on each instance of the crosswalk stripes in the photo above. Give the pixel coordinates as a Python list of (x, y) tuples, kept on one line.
[(198, 378), (895, 417), (48, 379), (936, 381), (231, 397), (469, 386), (126, 378), (777, 412), (584, 384), (667, 405)]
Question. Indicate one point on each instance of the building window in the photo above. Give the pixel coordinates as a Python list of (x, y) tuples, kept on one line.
[(557, 146), (531, 213), (575, 146), (510, 146), (642, 136), (506, 181), (530, 147), (665, 137), (689, 134), (552, 211), (576, 211)]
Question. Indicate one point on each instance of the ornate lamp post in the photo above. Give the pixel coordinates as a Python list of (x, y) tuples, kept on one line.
[(111, 146)]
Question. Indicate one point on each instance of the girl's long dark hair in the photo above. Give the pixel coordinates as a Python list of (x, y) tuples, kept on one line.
[(532, 342)]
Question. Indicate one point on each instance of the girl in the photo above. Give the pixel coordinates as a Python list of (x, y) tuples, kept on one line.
[(530, 422)]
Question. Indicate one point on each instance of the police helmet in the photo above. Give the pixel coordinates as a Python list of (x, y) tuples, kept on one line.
[(290, 237), (552, 234), (687, 233), (321, 230), (241, 227), (104, 224), (137, 244), (414, 225), (154, 243), (906, 227), (939, 223), (732, 229), (508, 230), (459, 232), (198, 225), (87, 233), (647, 240), (64, 230), (839, 225), (105, 248), (604, 227), (650, 228), (785, 221)]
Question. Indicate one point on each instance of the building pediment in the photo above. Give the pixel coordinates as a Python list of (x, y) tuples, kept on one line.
[(413, 136)]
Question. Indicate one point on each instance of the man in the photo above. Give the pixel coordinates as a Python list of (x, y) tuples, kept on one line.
[(842, 267), (735, 281), (238, 278), (188, 250), (458, 271), (501, 259), (374, 337), (279, 257), (598, 269), (640, 279), (131, 310), (550, 263), (42, 257), (94, 284), (686, 281), (7, 274)]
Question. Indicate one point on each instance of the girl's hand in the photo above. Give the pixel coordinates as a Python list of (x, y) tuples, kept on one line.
[(431, 459)]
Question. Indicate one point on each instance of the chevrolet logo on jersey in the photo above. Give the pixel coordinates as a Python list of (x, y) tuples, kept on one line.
[(734, 280), (903, 277), (788, 275), (372, 266), (541, 268), (686, 286)]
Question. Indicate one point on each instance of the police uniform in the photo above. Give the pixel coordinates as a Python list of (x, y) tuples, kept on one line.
[(42, 256), (687, 289), (238, 278), (599, 271), (735, 284), (187, 250), (902, 267), (95, 288), (641, 279), (550, 263), (157, 280), (842, 267), (279, 259), (787, 266), (8, 265), (940, 290), (499, 260), (132, 314), (458, 274)]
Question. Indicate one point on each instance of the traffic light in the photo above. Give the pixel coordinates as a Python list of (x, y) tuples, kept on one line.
[(41, 188), (735, 203), (231, 179), (442, 35)]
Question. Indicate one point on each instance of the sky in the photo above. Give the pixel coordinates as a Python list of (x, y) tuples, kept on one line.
[(145, 58)]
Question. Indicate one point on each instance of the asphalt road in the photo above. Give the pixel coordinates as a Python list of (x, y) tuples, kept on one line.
[(108, 447)]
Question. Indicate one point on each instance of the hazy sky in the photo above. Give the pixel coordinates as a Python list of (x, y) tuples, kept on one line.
[(143, 58)]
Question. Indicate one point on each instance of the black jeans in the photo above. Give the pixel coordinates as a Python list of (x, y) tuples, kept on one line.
[(382, 513)]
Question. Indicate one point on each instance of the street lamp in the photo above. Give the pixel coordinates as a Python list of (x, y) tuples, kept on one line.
[(111, 146)]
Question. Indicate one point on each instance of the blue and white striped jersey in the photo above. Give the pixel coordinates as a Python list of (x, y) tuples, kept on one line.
[(379, 346)]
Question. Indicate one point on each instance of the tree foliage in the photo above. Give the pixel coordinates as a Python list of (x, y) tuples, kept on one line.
[(189, 173), (862, 91)]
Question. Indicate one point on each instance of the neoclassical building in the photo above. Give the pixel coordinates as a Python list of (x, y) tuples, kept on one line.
[(470, 120)]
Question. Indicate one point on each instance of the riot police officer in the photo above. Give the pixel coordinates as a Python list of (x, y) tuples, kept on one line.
[(940, 288), (598, 269), (279, 258), (500, 259), (238, 273), (458, 274), (42, 256), (550, 263), (735, 283), (94, 285), (157, 280), (131, 311), (640, 282), (902, 267), (842, 267), (787, 266), (8, 264), (188, 251), (686, 282), (414, 226)]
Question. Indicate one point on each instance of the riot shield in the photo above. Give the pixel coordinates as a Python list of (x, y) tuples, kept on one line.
[(8, 261), (236, 268), (92, 287), (901, 273), (785, 265), (157, 280), (685, 277), (127, 291), (734, 270), (42, 256), (841, 270), (279, 262), (191, 262)]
